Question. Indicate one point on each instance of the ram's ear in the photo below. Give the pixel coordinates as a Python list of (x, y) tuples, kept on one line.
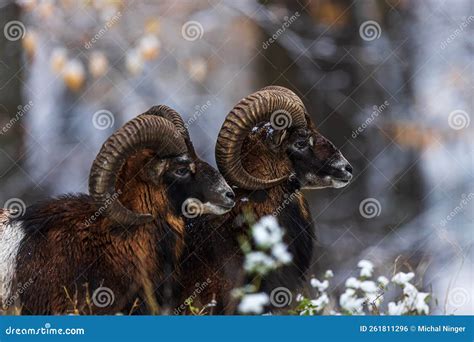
[(278, 137), (154, 170)]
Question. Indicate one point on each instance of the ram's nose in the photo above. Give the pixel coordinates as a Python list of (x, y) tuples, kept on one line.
[(229, 198), (340, 171), (345, 171)]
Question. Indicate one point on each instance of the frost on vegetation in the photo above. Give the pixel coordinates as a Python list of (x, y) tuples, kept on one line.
[(265, 251), (403, 278), (266, 232), (366, 268), (328, 274), (413, 301), (271, 252), (365, 295), (383, 281), (281, 254), (258, 262), (253, 303), (320, 285)]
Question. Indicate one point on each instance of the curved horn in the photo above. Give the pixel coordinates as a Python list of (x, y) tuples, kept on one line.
[(137, 134), (261, 106), (170, 114), (287, 92), (280, 88)]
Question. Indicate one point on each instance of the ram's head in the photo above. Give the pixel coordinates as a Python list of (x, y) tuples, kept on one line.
[(150, 164), (270, 134)]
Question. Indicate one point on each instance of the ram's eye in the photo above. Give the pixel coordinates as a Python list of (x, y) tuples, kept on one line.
[(301, 144), (182, 171)]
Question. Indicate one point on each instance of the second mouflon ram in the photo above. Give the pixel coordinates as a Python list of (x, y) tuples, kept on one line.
[(269, 149)]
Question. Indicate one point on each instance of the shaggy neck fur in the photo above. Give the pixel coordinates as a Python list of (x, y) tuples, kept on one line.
[(142, 197)]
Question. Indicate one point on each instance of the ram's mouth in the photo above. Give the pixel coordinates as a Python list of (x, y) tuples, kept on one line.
[(339, 182), (313, 182), (215, 209)]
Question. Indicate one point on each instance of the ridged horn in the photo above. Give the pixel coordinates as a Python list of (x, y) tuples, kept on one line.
[(173, 116), (139, 133), (268, 105), (288, 92)]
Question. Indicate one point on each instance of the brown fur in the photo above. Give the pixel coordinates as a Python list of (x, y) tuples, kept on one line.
[(214, 251), (66, 258)]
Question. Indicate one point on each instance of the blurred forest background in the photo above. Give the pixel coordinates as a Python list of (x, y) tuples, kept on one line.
[(389, 82)]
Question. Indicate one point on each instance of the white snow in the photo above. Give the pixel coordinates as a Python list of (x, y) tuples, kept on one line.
[(266, 232), (253, 303), (366, 268), (320, 285), (281, 254), (403, 278)]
